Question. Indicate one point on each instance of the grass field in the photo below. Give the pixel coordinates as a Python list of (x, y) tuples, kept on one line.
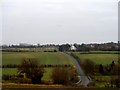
[(43, 57), (56, 58), (52, 58), (9, 71), (13, 71), (99, 58)]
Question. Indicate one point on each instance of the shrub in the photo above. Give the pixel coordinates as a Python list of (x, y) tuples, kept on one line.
[(88, 66), (62, 75)]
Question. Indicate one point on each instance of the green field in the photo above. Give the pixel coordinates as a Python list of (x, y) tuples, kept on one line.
[(9, 71), (99, 58), (13, 71), (52, 58), (56, 58), (43, 57)]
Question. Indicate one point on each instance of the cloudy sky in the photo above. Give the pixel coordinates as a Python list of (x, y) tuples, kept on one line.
[(59, 21)]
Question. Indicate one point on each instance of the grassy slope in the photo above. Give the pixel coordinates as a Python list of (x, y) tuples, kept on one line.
[(99, 58)]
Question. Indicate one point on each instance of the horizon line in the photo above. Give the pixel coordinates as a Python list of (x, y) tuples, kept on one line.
[(61, 43)]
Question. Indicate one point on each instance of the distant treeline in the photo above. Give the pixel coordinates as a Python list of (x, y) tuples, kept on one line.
[(111, 46), (91, 47), (18, 50)]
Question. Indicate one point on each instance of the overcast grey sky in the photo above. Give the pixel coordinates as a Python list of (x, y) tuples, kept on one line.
[(59, 21)]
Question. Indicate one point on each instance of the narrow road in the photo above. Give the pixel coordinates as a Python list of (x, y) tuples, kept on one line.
[(84, 79)]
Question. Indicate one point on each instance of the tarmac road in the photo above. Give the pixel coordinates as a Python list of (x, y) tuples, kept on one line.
[(84, 79)]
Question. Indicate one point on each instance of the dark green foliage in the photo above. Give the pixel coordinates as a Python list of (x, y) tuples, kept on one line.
[(64, 47)]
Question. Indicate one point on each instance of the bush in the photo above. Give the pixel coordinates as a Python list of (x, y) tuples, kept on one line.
[(88, 66), (62, 75)]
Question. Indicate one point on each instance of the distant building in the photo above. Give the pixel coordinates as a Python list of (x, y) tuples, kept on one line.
[(73, 48)]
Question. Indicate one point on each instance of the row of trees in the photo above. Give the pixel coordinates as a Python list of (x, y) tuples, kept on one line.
[(91, 47), (111, 46)]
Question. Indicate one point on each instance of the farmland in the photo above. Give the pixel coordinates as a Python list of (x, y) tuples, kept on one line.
[(13, 71), (53, 58), (56, 58), (99, 58), (43, 58)]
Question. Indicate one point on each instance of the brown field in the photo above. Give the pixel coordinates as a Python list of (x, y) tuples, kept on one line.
[(49, 87)]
